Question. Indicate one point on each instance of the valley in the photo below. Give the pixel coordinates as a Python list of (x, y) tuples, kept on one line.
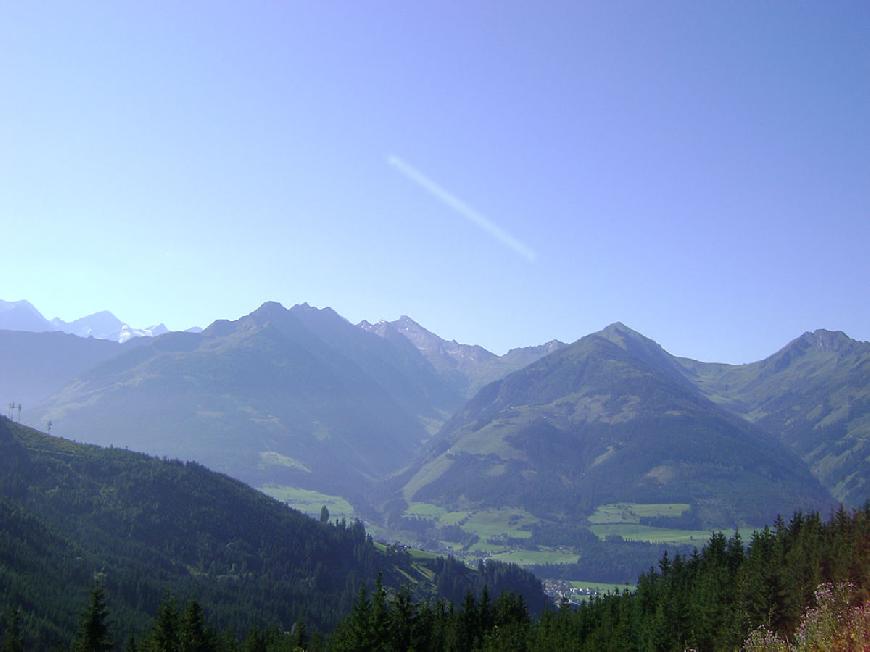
[(434, 327), (581, 462)]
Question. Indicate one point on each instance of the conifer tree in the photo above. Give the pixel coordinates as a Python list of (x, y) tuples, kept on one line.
[(403, 621), (165, 634), (194, 636), (299, 639), (379, 615), (13, 638), (93, 633), (255, 642)]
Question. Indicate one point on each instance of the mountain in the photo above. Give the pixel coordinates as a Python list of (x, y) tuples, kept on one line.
[(464, 367), (22, 316), (36, 365), (609, 419), (105, 326), (101, 325), (814, 395), (70, 513), (295, 398)]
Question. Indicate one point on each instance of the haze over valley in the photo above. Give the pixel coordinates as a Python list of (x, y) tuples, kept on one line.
[(538, 456), (444, 327)]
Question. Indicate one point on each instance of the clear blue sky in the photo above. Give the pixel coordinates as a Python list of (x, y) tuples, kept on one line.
[(700, 171)]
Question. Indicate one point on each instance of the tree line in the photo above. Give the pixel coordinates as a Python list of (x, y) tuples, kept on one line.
[(801, 585)]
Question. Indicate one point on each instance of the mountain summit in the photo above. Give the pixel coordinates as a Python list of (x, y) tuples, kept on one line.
[(609, 419), (103, 325), (466, 367), (296, 397), (814, 396)]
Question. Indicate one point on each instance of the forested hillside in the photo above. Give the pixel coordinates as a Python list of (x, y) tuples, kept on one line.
[(802, 586), (806, 581), (72, 515)]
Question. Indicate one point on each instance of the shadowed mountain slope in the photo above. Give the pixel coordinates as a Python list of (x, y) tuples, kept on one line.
[(34, 366), (814, 395), (146, 527), (298, 397), (466, 368), (607, 419)]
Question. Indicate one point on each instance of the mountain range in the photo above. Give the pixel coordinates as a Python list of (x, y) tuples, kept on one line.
[(464, 367), (23, 316), (301, 400), (814, 395), (609, 419)]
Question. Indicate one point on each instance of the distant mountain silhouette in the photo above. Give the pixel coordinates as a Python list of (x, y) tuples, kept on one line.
[(298, 397), (22, 316), (465, 367)]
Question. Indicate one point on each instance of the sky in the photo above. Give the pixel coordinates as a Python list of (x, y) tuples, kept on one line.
[(503, 172)]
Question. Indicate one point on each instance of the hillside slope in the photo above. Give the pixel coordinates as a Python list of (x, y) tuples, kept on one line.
[(464, 367), (22, 316), (36, 365), (814, 395), (71, 512), (295, 397), (610, 418)]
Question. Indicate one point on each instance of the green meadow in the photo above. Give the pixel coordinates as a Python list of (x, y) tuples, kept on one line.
[(602, 587), (634, 532), (633, 512), (310, 502)]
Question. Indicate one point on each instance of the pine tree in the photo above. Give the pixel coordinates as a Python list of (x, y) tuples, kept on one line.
[(93, 633), (194, 636), (324, 514), (255, 642), (379, 616), (13, 639), (403, 621), (299, 639), (469, 621), (165, 634)]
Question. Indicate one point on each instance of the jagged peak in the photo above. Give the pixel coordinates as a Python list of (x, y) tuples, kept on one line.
[(270, 307), (823, 340), (621, 335), (619, 327), (21, 303), (404, 320)]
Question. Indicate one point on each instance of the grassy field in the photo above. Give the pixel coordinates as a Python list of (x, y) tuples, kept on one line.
[(602, 587), (310, 502), (537, 557), (435, 513), (632, 512), (512, 523), (271, 458), (633, 532), (623, 519), (486, 524), (425, 510)]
